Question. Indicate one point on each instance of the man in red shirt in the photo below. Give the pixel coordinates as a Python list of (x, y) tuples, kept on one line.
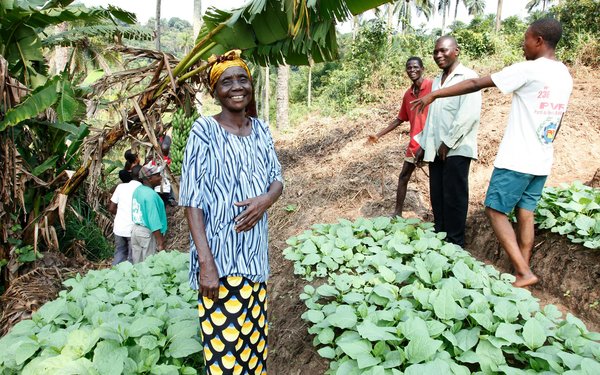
[(419, 88)]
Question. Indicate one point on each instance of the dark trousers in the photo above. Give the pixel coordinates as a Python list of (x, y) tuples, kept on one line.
[(449, 189)]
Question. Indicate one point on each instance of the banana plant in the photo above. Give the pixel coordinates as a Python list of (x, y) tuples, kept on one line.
[(297, 32), (41, 116), (21, 26)]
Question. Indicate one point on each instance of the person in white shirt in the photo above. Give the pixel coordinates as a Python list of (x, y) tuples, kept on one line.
[(449, 143), (120, 206), (541, 88)]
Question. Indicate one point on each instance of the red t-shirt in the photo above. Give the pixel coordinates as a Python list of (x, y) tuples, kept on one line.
[(416, 120)]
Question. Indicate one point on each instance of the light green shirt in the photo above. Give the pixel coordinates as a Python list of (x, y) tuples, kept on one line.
[(452, 120), (148, 209)]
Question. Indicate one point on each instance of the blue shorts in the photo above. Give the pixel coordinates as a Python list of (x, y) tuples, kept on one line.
[(509, 189)]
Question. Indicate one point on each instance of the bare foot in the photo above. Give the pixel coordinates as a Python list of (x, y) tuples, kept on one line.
[(525, 280)]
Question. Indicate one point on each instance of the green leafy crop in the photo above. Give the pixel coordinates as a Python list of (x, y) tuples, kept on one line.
[(131, 319), (393, 298), (573, 211)]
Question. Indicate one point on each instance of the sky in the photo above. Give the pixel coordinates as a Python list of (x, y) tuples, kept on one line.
[(144, 9)]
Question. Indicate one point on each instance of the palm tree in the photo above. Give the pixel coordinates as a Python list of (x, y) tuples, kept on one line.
[(283, 77), (197, 17), (475, 7), (443, 7), (266, 95), (536, 3), (498, 16), (404, 10), (157, 25)]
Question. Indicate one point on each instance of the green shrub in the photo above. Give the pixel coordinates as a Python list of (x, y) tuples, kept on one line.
[(139, 319), (81, 225), (475, 44), (393, 298), (573, 211)]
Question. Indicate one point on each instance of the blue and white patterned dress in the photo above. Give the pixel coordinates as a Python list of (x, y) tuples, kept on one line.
[(220, 168)]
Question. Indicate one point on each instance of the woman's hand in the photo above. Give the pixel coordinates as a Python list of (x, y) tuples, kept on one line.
[(209, 280), (255, 209)]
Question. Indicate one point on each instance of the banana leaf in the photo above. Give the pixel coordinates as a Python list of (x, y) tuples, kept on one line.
[(68, 106), (360, 6), (268, 29), (47, 164), (37, 102), (237, 34), (23, 46), (297, 31), (53, 16)]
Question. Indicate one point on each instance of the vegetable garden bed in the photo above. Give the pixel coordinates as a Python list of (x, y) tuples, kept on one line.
[(568, 272), (393, 298)]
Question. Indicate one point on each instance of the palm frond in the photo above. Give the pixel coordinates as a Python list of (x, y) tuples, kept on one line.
[(475, 7), (76, 35), (53, 16)]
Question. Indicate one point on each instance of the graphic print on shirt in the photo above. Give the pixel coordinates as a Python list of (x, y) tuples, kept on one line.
[(136, 212), (547, 129)]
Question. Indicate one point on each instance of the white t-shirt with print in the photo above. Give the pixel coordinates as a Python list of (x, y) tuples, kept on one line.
[(541, 89), (122, 197)]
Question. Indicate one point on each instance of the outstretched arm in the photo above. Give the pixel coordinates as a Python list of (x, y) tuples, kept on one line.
[(373, 138), (465, 87)]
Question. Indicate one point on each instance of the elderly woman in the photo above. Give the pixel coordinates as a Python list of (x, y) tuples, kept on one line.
[(230, 177)]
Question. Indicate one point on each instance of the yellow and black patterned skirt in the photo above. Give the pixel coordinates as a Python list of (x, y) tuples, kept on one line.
[(234, 328)]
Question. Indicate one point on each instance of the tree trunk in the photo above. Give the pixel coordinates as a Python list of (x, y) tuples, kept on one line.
[(157, 26), (445, 12), (309, 94), (58, 62), (498, 16), (197, 18), (283, 75), (355, 25), (266, 95), (390, 21), (456, 9)]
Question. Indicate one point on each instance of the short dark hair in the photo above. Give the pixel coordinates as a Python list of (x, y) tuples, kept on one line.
[(447, 37), (130, 156), (549, 29), (135, 172), (125, 176), (415, 58)]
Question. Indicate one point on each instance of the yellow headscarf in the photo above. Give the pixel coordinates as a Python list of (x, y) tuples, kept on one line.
[(222, 62)]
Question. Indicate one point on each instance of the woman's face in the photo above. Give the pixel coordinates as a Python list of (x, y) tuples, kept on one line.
[(234, 89)]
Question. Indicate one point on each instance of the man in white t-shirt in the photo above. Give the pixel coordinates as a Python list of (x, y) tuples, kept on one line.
[(120, 206), (541, 88)]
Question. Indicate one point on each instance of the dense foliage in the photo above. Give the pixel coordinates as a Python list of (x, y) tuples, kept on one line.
[(43, 124), (130, 319), (392, 297), (573, 211)]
